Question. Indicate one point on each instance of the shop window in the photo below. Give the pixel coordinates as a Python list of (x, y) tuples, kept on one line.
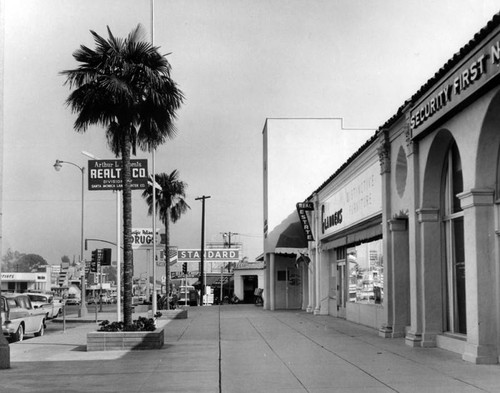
[(497, 196), (401, 172), (366, 272), (341, 253), (281, 276), (454, 263)]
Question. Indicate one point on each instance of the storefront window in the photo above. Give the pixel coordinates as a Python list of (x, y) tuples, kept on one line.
[(453, 220), (366, 273), (498, 176)]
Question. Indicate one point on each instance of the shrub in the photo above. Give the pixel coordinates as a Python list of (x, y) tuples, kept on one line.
[(141, 324)]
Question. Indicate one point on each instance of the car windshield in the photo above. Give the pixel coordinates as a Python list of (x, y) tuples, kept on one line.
[(12, 303), (38, 298)]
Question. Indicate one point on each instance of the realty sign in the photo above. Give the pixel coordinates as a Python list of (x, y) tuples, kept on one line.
[(210, 255), (107, 174)]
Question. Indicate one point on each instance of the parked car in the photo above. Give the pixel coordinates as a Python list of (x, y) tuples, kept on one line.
[(52, 307), (187, 295), (19, 317), (72, 299), (105, 298)]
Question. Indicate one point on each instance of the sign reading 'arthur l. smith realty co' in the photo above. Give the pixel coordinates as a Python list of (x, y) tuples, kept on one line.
[(107, 174)]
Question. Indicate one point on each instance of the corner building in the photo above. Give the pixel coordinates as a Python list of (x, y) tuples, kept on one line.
[(407, 231)]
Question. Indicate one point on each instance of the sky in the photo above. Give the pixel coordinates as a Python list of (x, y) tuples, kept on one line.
[(237, 62)]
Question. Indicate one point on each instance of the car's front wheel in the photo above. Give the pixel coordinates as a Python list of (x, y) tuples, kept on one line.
[(19, 334)]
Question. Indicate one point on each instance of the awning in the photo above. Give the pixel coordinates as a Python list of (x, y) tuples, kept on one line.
[(287, 238)]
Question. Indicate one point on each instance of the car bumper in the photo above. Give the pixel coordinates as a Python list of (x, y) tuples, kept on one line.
[(9, 329)]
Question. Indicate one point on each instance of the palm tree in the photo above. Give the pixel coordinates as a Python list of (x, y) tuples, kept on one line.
[(170, 205), (124, 85)]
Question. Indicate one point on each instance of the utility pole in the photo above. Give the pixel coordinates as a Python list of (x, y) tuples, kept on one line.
[(228, 235), (202, 260)]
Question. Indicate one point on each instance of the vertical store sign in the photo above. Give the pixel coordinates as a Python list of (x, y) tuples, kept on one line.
[(302, 207)]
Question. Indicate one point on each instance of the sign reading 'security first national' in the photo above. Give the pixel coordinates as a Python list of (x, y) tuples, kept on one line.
[(107, 174), (472, 74)]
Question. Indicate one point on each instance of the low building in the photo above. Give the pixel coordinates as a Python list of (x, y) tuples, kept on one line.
[(248, 276), (26, 282)]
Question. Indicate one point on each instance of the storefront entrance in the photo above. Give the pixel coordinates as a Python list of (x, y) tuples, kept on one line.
[(341, 288), (289, 289), (249, 286)]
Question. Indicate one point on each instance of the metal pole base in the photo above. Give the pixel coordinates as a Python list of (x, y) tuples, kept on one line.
[(82, 311), (4, 353)]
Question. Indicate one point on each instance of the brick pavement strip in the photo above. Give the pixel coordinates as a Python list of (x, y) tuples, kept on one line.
[(260, 351)]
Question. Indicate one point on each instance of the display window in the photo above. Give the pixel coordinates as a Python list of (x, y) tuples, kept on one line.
[(366, 272)]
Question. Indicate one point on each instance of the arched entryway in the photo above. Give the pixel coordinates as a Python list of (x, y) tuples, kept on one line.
[(442, 237), (458, 233)]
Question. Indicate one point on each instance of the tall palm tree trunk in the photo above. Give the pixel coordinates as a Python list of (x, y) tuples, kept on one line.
[(167, 251), (128, 263)]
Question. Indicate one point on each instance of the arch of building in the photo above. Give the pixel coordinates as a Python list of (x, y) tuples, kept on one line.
[(475, 130)]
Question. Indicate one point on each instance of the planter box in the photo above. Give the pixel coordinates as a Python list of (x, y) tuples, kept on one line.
[(142, 307), (174, 314), (112, 341)]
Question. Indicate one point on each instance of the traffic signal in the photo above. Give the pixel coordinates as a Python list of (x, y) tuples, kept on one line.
[(106, 257), (93, 262), (185, 267)]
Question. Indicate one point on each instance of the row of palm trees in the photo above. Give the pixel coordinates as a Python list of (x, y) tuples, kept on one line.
[(124, 85)]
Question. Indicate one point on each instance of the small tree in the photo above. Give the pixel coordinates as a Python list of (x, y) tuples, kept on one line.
[(170, 205)]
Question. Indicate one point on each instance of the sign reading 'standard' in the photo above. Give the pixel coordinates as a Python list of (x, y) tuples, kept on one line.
[(212, 255)]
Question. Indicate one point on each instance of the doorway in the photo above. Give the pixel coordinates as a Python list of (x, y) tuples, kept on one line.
[(250, 283), (341, 282), (289, 288)]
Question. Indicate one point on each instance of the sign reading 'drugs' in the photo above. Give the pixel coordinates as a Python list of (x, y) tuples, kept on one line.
[(211, 255), (142, 238), (107, 174)]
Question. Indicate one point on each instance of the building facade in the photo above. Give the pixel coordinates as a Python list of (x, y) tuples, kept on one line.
[(347, 253), (407, 231), (26, 282)]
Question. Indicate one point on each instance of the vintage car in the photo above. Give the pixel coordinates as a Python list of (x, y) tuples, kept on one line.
[(187, 296), (72, 299), (46, 302), (19, 317)]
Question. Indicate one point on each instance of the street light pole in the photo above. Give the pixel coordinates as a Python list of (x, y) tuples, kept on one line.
[(202, 261), (118, 247), (83, 303)]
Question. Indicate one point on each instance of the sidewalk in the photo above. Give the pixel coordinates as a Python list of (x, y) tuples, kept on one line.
[(242, 348)]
